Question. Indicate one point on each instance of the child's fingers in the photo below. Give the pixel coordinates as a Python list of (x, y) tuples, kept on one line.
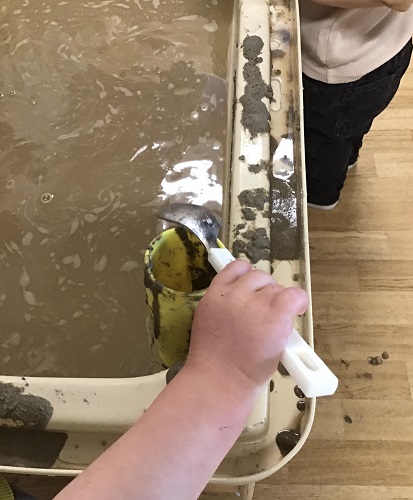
[(232, 272), (256, 280)]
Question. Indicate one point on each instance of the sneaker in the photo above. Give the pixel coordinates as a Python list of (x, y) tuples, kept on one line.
[(322, 207)]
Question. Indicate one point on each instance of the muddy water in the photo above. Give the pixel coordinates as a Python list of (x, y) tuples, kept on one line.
[(106, 110)]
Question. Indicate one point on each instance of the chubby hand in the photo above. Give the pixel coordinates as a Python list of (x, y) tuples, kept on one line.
[(242, 324)]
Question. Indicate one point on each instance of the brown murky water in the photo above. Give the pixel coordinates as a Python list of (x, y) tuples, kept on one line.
[(106, 109)]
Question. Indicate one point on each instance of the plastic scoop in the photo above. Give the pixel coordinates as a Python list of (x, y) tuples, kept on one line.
[(307, 369)]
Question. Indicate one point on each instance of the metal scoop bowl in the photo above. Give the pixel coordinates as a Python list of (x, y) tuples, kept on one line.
[(204, 224)]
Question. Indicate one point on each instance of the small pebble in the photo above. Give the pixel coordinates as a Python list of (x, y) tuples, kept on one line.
[(348, 419), (298, 392), (385, 355), (375, 360), (286, 441), (283, 370), (301, 405)]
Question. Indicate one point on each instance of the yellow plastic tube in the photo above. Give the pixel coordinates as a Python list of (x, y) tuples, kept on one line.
[(177, 274)]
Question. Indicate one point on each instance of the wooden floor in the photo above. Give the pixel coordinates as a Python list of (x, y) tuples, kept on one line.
[(361, 445)]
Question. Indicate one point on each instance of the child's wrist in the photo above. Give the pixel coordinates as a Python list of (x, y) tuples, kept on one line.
[(224, 379)]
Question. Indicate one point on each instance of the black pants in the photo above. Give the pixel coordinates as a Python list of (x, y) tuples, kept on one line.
[(337, 116)]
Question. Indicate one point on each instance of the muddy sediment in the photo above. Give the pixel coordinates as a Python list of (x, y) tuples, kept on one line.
[(255, 116)]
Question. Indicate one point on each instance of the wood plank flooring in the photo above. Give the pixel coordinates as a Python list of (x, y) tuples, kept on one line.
[(361, 445)]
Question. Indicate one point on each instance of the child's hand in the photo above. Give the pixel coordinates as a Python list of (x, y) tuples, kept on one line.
[(242, 325)]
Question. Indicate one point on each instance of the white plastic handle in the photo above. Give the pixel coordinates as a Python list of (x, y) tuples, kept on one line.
[(310, 372), (219, 258), (312, 375)]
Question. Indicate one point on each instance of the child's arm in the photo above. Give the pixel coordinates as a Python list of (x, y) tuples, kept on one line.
[(398, 5), (240, 330)]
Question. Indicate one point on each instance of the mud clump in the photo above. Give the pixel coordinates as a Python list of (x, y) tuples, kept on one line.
[(238, 228), (255, 116), (238, 247), (254, 198), (248, 214), (258, 245), (385, 355), (259, 167), (23, 410)]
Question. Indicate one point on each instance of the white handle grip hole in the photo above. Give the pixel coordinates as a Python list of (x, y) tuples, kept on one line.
[(309, 363)]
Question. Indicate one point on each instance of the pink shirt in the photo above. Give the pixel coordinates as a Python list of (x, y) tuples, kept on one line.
[(342, 45)]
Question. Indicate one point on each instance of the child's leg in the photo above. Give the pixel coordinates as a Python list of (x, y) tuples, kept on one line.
[(357, 144), (337, 116)]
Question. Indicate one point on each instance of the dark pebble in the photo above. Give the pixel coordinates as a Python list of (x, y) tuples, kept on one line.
[(298, 392), (286, 441), (385, 355), (283, 370), (348, 419), (375, 360), (301, 405)]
